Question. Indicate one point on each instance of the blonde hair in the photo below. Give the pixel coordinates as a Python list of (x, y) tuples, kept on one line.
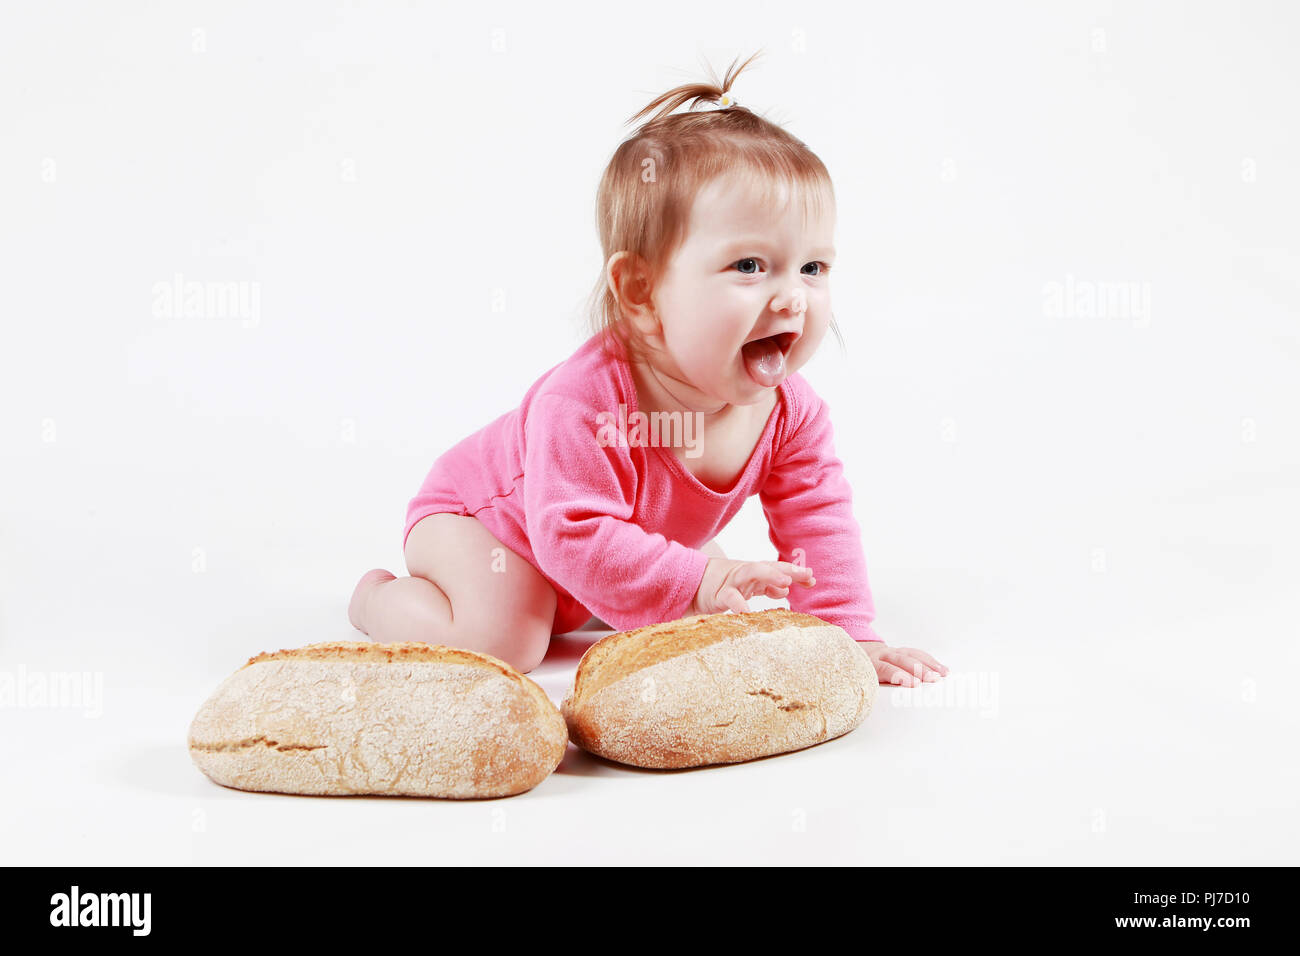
[(644, 200)]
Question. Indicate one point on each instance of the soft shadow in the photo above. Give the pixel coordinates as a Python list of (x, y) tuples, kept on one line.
[(160, 769), (567, 649), (581, 763)]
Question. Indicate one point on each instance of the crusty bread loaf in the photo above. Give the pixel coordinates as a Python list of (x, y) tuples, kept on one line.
[(718, 688), (353, 717)]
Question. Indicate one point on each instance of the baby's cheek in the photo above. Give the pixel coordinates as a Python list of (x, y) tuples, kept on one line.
[(721, 357), (700, 348)]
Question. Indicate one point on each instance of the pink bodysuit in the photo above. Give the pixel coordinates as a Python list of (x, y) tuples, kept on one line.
[(614, 525)]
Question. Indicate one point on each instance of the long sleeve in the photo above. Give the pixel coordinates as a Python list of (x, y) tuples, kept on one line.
[(578, 498), (808, 504)]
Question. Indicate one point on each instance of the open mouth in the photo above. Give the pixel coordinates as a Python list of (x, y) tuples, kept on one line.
[(764, 358), (783, 340)]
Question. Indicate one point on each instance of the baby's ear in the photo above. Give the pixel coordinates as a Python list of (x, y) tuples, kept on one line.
[(628, 278)]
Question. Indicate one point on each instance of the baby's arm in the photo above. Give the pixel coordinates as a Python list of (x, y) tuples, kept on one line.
[(809, 508), (578, 498)]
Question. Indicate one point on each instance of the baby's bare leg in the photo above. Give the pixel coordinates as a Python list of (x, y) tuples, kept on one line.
[(466, 589), (390, 609)]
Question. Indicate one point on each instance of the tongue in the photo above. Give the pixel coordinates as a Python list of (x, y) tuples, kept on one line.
[(764, 361)]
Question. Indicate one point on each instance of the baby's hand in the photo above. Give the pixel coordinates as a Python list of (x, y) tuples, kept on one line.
[(902, 665), (727, 583)]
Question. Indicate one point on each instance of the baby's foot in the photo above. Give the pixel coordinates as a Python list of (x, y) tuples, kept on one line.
[(362, 593)]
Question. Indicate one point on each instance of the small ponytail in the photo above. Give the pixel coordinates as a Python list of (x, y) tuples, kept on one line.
[(694, 92)]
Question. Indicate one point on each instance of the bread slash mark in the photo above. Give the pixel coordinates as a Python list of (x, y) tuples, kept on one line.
[(253, 742), (793, 705)]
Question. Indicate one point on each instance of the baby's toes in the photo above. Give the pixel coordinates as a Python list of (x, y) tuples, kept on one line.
[(361, 592)]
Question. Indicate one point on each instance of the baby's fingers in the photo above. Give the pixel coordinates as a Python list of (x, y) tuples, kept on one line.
[(924, 658), (797, 572), (733, 600), (893, 674), (756, 576), (906, 660)]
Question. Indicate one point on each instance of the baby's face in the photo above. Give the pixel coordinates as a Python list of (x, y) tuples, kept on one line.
[(746, 270)]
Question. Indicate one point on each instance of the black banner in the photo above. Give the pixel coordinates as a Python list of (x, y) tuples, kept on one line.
[(236, 905)]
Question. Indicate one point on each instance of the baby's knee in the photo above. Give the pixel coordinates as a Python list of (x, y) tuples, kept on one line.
[(521, 644), (532, 651)]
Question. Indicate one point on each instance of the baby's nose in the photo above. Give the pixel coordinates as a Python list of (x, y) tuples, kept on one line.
[(798, 303)]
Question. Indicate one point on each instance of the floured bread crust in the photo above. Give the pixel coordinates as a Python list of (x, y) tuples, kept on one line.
[(718, 688), (355, 717)]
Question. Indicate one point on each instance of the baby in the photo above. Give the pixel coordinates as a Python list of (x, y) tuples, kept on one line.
[(602, 492)]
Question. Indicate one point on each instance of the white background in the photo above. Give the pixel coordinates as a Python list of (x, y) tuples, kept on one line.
[(1091, 518)]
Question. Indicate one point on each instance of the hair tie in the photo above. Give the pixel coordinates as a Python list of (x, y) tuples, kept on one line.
[(726, 100)]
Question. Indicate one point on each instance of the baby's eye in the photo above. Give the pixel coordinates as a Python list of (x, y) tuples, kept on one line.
[(744, 267)]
